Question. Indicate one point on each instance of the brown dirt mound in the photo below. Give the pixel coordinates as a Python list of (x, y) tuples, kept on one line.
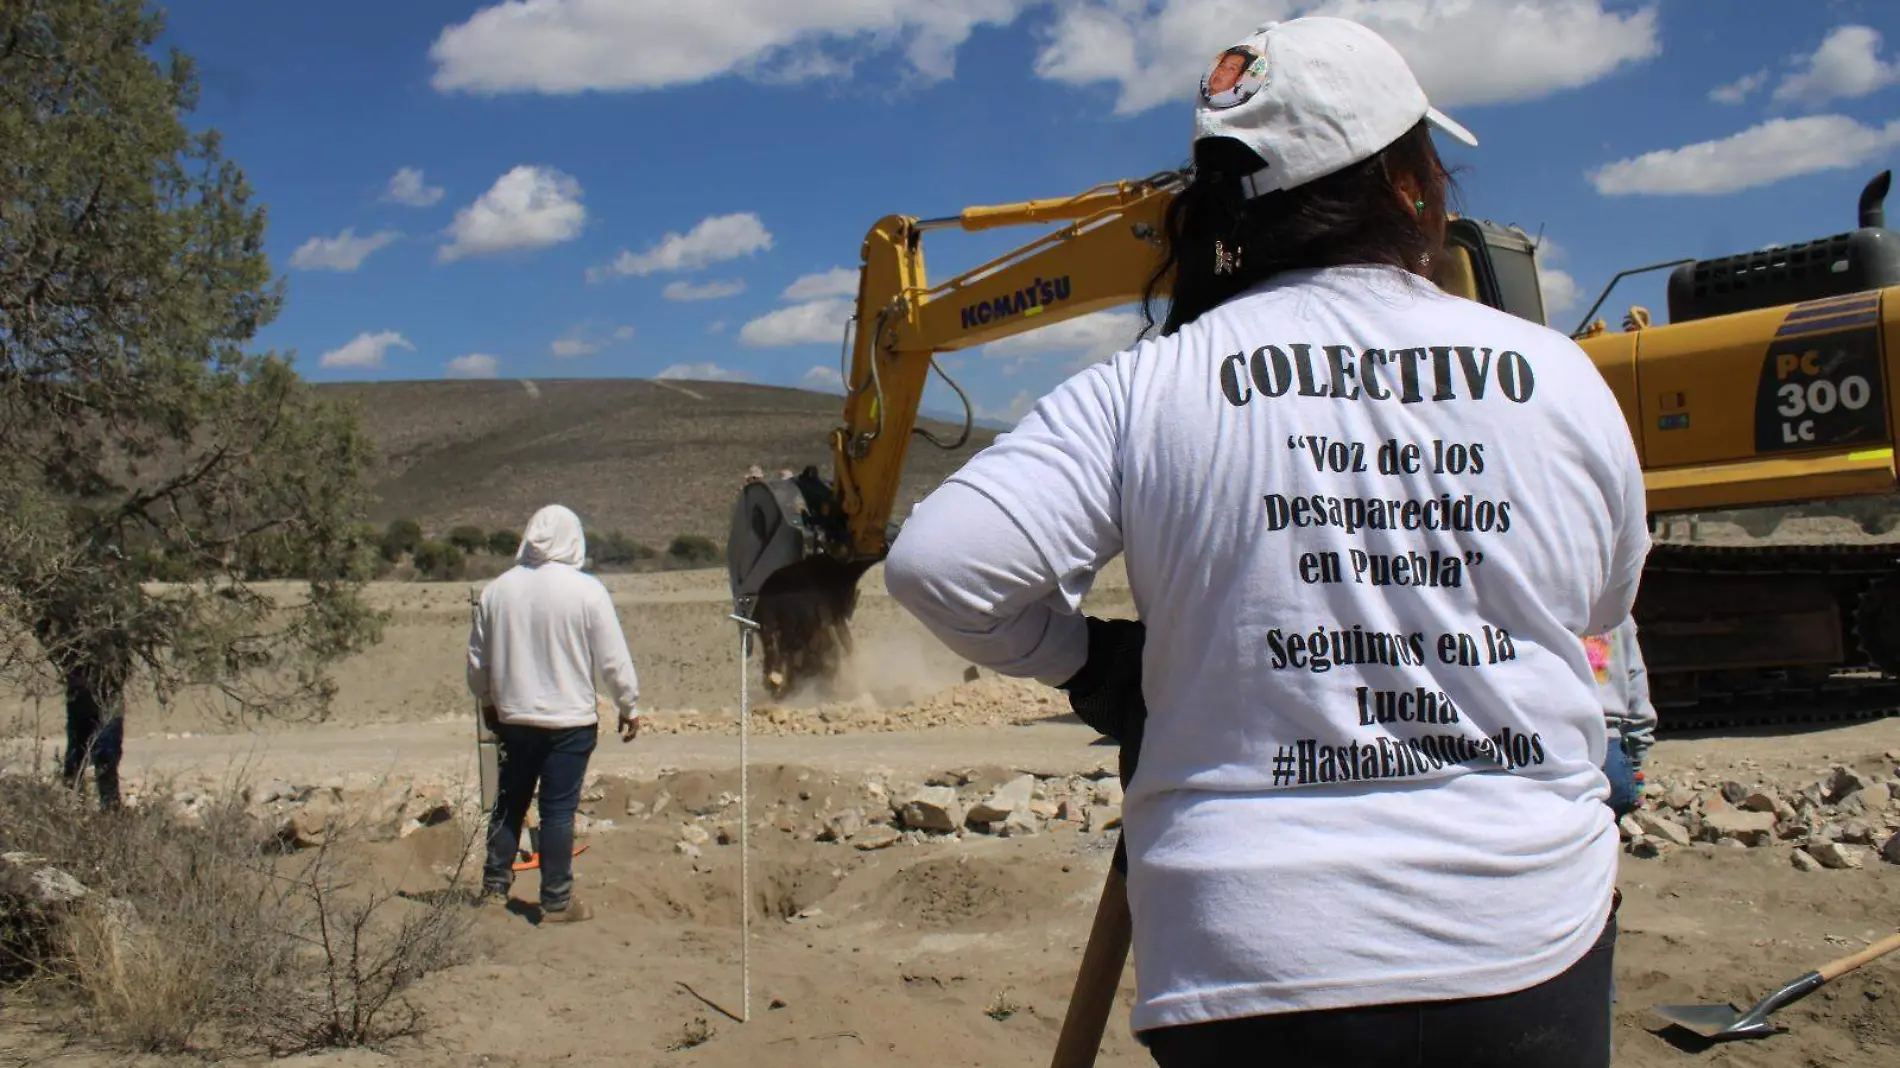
[(966, 893)]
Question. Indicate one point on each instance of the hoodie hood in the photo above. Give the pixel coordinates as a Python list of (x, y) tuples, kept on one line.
[(553, 536)]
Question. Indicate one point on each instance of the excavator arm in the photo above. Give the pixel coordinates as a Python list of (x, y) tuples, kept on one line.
[(798, 545), (1100, 258)]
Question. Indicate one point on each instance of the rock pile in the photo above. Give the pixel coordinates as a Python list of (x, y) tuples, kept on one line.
[(877, 814), (303, 816), (990, 701), (1842, 820)]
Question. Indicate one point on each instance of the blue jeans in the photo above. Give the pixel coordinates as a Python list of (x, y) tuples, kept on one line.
[(1623, 791), (556, 760)]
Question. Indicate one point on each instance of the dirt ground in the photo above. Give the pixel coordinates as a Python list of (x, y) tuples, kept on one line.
[(944, 950)]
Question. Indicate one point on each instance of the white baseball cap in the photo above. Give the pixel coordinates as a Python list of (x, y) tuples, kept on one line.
[(1310, 97)]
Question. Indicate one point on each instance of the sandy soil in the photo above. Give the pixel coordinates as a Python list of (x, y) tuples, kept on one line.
[(939, 950)]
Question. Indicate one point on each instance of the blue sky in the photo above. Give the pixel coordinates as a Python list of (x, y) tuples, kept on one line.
[(637, 188)]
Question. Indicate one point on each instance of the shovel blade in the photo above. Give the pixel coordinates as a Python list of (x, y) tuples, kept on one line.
[(1717, 1021)]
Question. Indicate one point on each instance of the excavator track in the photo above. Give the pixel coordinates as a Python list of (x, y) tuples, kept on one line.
[(1825, 618)]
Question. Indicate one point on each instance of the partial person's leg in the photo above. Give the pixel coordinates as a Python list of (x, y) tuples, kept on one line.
[(1622, 775), (1561, 1023), (108, 743), (561, 779), (518, 766), (1384, 1036), (82, 723)]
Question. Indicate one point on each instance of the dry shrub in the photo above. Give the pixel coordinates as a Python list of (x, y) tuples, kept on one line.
[(200, 932)]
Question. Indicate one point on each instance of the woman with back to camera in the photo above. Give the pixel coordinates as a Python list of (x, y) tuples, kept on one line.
[(1366, 524)]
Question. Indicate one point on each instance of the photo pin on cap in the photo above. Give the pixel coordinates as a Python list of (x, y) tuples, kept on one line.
[(1312, 96)]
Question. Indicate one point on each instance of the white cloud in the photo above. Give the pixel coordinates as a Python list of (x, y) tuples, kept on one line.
[(1012, 412), (1561, 291), (1760, 155), (527, 208), (837, 282), (474, 365), (407, 187), (718, 327), (703, 372), (1740, 89), (1463, 51), (365, 350), (571, 46), (801, 324), (1847, 65), (715, 239), (344, 252), (825, 301), (824, 379), (581, 341), (714, 290)]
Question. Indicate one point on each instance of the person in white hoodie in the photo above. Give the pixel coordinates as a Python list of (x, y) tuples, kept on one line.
[(543, 631)]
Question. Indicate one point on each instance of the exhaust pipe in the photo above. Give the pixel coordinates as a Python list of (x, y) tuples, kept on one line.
[(1873, 211)]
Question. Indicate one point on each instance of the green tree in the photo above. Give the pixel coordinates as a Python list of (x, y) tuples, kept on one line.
[(504, 542), (439, 560), (619, 550), (693, 550), (400, 539), (138, 429), (468, 539)]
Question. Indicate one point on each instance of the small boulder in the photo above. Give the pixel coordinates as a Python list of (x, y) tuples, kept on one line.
[(1108, 792), (842, 825), (1749, 828), (878, 836), (935, 809), (1662, 827), (1859, 832), (1102, 818), (1842, 782), (1020, 824), (1835, 855), (1804, 861), (1890, 852), (1005, 800), (1761, 801)]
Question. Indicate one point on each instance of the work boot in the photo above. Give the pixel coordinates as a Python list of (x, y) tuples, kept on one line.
[(488, 897), (577, 911)]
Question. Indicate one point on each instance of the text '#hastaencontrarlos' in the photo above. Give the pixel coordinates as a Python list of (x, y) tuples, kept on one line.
[(1434, 373), (1307, 762)]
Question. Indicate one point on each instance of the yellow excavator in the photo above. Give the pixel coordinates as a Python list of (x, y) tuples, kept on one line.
[(1767, 388)]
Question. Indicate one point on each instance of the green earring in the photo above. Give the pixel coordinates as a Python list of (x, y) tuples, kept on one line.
[(1418, 206)]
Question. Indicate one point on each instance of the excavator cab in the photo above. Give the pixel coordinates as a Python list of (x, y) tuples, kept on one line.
[(1491, 264)]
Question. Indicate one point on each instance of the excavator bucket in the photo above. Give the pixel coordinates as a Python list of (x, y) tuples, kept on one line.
[(785, 579)]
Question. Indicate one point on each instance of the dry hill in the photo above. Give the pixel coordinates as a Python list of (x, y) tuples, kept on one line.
[(652, 459)]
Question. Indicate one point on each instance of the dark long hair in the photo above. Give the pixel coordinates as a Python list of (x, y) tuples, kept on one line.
[(1353, 216)]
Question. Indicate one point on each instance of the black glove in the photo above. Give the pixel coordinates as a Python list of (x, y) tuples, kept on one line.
[(1106, 694)]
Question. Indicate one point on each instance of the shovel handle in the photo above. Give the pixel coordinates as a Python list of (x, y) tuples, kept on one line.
[(1835, 969), (1096, 982)]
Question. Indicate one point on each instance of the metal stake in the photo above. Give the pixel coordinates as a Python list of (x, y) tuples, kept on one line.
[(746, 627)]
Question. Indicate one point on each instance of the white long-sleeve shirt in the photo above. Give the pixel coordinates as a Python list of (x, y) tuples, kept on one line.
[(1365, 524), (544, 629)]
